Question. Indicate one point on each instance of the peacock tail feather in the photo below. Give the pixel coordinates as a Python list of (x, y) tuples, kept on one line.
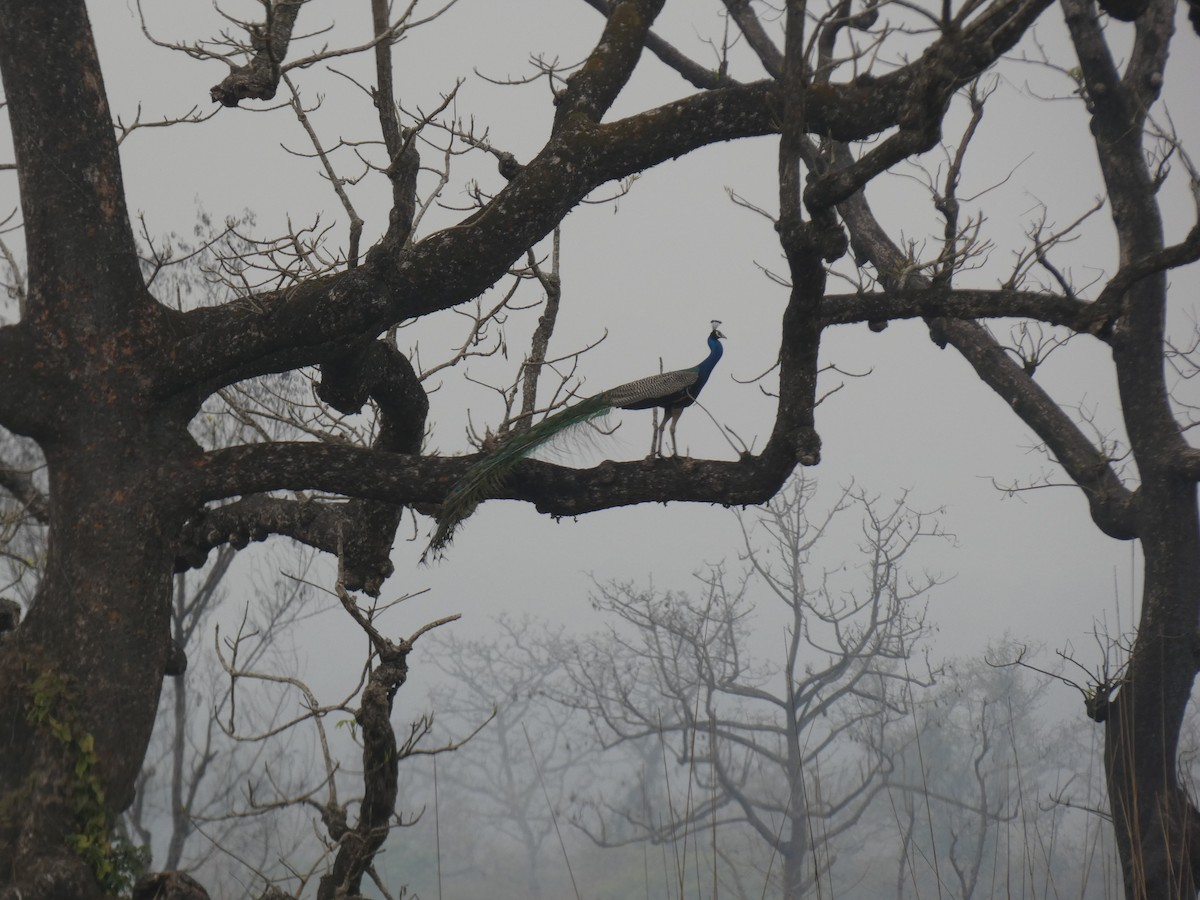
[(489, 474)]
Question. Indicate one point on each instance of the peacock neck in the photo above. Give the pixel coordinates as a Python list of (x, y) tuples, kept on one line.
[(715, 349)]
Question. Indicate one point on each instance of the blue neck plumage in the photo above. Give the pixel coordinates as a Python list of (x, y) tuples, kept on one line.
[(715, 349)]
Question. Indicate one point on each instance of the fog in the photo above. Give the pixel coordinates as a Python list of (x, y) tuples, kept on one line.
[(971, 776)]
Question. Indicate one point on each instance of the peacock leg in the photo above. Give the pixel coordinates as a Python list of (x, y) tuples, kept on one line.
[(674, 416)]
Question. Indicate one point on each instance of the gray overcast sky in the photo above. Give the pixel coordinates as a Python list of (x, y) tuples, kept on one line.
[(652, 270)]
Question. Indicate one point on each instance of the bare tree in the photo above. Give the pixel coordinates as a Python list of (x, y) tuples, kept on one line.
[(107, 376), (356, 803), (975, 769), (196, 775), (773, 738), (528, 758)]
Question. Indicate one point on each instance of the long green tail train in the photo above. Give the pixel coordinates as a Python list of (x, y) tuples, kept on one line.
[(489, 474)]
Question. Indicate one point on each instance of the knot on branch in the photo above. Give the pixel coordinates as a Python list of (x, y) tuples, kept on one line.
[(1125, 10), (808, 447), (937, 332), (334, 819), (386, 678), (822, 236), (1097, 698), (259, 78), (382, 373), (176, 659), (832, 242), (212, 528), (508, 166), (1096, 705), (10, 615), (256, 81)]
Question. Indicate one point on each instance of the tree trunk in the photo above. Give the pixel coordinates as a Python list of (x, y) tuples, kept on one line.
[(794, 853), (793, 875), (1154, 821), (81, 677)]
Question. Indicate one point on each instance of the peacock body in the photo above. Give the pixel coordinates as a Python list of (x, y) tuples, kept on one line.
[(673, 392)]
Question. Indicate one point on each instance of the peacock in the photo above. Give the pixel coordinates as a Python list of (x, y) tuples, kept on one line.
[(673, 392)]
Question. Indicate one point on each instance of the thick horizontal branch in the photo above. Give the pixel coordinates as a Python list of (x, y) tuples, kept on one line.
[(561, 491), (415, 480), (1053, 309)]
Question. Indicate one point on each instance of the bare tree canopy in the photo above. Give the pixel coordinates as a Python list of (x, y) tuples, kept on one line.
[(108, 376), (763, 733)]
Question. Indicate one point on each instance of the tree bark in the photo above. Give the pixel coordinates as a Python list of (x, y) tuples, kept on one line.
[(1157, 827), (83, 672)]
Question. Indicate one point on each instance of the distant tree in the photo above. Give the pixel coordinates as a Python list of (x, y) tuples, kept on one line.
[(970, 799), (527, 757), (186, 757), (191, 790), (351, 787), (107, 376), (783, 737)]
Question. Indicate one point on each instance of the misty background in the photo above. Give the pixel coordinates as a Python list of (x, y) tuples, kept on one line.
[(992, 782)]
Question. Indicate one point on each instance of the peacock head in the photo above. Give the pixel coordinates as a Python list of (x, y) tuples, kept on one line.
[(716, 329)]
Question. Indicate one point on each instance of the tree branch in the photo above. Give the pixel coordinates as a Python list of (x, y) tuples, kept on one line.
[(1111, 503), (259, 78), (948, 64), (304, 323), (321, 524), (693, 72), (963, 303), (591, 90), (752, 30), (416, 480)]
